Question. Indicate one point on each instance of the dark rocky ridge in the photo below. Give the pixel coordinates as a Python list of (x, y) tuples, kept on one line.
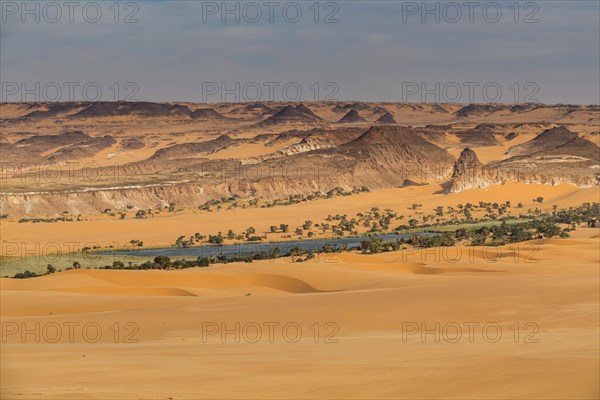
[(351, 116), (191, 150), (206, 114), (292, 114), (387, 119), (548, 139)]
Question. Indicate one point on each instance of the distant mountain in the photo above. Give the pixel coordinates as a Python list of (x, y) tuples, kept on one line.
[(386, 119), (206, 114), (351, 116), (480, 136), (193, 149), (548, 139), (292, 114), (129, 108), (477, 110)]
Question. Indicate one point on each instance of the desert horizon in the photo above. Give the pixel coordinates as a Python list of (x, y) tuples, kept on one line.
[(351, 200), (263, 251)]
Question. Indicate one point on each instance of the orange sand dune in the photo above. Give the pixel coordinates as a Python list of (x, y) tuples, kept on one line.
[(386, 326)]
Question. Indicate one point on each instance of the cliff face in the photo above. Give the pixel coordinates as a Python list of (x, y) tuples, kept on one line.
[(85, 157), (492, 175), (95, 201), (382, 157), (470, 173)]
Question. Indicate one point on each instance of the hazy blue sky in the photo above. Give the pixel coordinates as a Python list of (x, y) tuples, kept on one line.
[(375, 51)]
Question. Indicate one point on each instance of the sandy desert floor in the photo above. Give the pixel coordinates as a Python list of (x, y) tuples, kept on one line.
[(521, 323)]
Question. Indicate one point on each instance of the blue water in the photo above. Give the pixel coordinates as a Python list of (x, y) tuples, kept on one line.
[(240, 250)]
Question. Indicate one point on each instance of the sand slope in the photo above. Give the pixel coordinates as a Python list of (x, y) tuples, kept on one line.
[(368, 302)]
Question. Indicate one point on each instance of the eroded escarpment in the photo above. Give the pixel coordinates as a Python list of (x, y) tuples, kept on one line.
[(84, 158)]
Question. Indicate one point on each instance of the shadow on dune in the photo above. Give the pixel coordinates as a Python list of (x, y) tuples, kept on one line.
[(423, 270)]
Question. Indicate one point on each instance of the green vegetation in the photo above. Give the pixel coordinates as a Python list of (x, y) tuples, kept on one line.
[(51, 220), (497, 227), (235, 200)]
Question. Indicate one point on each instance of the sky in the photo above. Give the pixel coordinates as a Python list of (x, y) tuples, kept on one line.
[(198, 51)]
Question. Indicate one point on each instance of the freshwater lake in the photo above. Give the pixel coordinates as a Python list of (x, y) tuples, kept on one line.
[(245, 249)]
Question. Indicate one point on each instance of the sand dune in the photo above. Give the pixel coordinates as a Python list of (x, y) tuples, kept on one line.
[(116, 291), (366, 307)]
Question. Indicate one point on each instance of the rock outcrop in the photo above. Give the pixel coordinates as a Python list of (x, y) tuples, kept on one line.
[(292, 114), (85, 157), (386, 119), (564, 164), (351, 116), (468, 173), (548, 139)]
